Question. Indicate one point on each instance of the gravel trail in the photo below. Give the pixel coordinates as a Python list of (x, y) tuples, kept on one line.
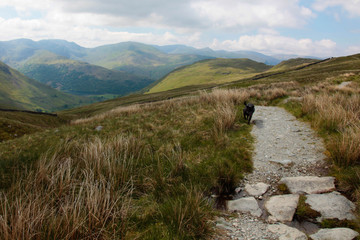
[(284, 147)]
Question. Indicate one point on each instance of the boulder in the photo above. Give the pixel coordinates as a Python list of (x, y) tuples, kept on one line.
[(286, 232), (331, 206), (257, 189), (245, 205), (335, 234), (282, 207), (309, 184)]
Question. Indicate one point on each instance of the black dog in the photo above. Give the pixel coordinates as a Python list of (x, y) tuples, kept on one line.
[(248, 111)]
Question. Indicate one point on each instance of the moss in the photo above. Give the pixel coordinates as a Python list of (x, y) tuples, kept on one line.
[(304, 211), (283, 189)]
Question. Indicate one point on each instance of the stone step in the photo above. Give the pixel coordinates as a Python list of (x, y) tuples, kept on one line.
[(331, 206), (257, 189), (245, 205), (309, 184), (286, 232), (282, 207), (335, 234)]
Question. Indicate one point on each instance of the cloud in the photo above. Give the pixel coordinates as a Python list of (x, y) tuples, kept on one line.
[(185, 14), (353, 50), (277, 44), (351, 6), (252, 14)]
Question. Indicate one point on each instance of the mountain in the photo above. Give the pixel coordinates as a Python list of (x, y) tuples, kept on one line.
[(140, 59), (255, 56), (148, 61), (135, 58), (20, 92), (78, 77), (212, 71)]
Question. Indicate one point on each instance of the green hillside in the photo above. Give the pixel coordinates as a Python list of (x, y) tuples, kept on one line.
[(138, 58), (20, 92), (80, 78), (291, 63), (213, 71)]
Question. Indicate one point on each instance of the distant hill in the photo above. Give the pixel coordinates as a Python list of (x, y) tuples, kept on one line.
[(140, 59), (80, 78), (20, 92), (291, 63), (210, 72), (255, 56), (148, 61)]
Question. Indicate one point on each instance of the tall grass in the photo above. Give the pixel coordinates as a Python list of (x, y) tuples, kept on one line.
[(146, 175), (336, 113)]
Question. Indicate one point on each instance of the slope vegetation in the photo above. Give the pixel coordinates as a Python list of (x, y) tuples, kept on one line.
[(213, 71), (20, 92), (78, 77), (293, 63)]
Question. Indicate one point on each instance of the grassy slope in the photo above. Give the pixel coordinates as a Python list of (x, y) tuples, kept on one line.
[(210, 72), (163, 157), (306, 74), (18, 91), (16, 124), (79, 77), (292, 63)]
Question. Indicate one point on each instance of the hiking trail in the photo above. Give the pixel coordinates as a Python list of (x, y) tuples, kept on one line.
[(286, 152)]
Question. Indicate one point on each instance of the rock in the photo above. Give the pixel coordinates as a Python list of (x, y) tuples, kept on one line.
[(245, 205), (309, 184), (257, 189), (285, 163), (331, 205), (335, 234), (99, 128), (282, 207), (287, 233)]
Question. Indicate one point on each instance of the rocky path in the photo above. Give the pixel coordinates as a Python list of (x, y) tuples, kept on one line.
[(287, 153)]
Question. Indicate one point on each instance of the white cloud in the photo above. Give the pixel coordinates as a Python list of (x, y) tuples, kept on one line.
[(351, 6), (277, 44), (353, 50), (252, 14), (185, 14)]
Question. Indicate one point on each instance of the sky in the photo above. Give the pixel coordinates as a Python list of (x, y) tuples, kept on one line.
[(320, 28)]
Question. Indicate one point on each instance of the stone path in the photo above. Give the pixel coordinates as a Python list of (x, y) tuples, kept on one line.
[(288, 156)]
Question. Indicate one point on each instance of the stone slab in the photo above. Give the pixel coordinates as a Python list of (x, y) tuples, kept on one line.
[(331, 206), (309, 184), (335, 234), (286, 232), (257, 189), (245, 205), (282, 207)]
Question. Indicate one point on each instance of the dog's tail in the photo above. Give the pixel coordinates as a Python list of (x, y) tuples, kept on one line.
[(245, 103)]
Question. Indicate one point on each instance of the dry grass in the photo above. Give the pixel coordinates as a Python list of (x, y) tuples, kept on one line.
[(346, 148), (83, 196), (274, 93), (336, 111), (224, 120)]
